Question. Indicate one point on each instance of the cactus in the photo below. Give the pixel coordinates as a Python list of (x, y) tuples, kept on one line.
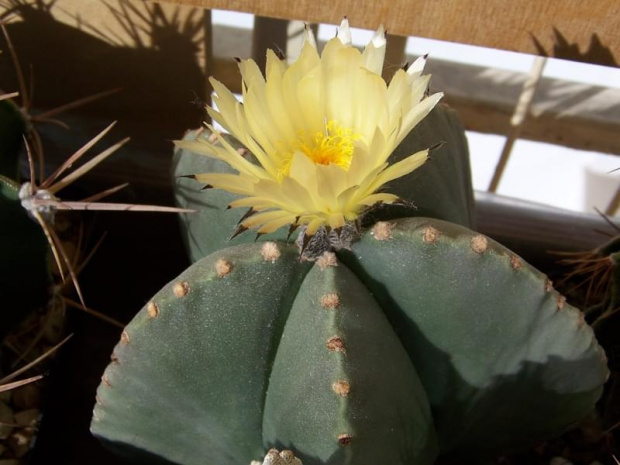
[(593, 278), (251, 349), (275, 457), (24, 267), (14, 127), (404, 342)]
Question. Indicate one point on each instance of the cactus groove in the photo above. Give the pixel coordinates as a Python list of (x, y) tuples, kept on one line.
[(426, 338)]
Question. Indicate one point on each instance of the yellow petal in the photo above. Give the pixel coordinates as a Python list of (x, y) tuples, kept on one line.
[(256, 203), (308, 60), (398, 93), (230, 182), (303, 171), (336, 220), (417, 113), (251, 74), (339, 74), (310, 98), (344, 32), (399, 169), (370, 95), (379, 198), (415, 69), (374, 53), (418, 88), (309, 36), (331, 182), (289, 193), (314, 225), (264, 217), (276, 224)]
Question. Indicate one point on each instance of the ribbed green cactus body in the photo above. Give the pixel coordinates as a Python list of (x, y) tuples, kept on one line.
[(217, 369), (424, 335), (505, 361), (366, 392), (24, 265), (441, 188)]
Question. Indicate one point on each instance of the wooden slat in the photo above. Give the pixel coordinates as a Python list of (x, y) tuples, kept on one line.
[(569, 29), (521, 112)]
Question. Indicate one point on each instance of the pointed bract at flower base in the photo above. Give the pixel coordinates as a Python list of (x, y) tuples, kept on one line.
[(322, 131)]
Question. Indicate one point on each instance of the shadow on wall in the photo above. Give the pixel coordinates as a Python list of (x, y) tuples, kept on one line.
[(597, 52), (149, 51)]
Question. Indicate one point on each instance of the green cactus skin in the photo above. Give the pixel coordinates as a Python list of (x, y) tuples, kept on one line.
[(251, 349), (491, 340), (440, 189), (25, 277), (13, 126), (220, 339), (370, 395)]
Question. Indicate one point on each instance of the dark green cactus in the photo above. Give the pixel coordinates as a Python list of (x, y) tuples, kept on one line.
[(426, 338), (440, 189), (25, 277), (594, 279), (24, 268), (13, 127)]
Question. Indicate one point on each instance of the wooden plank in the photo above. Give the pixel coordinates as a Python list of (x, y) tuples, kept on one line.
[(521, 112), (569, 29)]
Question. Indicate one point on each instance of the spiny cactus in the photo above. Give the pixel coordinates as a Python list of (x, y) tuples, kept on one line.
[(424, 335), (24, 267), (594, 279)]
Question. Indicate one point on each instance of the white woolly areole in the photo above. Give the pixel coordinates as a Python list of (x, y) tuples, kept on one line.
[(273, 457), (30, 202)]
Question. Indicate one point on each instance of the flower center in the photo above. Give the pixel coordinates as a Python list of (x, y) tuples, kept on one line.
[(333, 146)]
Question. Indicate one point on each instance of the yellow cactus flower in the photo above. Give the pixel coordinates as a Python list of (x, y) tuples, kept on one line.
[(321, 129)]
